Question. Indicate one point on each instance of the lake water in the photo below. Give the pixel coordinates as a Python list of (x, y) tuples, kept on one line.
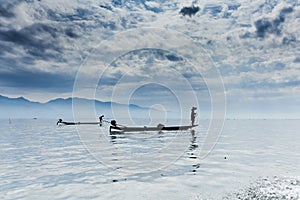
[(253, 159)]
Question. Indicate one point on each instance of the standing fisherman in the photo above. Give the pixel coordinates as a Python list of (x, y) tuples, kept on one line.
[(193, 115), (100, 120)]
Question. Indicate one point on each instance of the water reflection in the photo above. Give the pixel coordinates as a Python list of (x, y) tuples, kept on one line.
[(118, 137), (192, 151), (193, 145), (141, 144)]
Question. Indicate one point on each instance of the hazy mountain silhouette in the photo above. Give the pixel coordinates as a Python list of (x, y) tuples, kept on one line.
[(62, 108)]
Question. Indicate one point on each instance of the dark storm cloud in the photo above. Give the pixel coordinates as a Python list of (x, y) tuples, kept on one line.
[(5, 11), (22, 49), (189, 10), (290, 39), (174, 58), (107, 7), (36, 80), (36, 40), (5, 48), (264, 26), (71, 33), (117, 3), (6, 7), (297, 60), (271, 26)]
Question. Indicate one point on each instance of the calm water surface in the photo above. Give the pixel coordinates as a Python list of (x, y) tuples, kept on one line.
[(253, 159)]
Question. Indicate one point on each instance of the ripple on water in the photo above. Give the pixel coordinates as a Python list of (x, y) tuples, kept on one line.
[(270, 188)]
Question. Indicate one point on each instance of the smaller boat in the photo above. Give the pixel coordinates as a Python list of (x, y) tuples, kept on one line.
[(61, 122)]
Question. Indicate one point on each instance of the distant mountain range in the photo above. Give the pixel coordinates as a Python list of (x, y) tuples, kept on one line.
[(63, 108)]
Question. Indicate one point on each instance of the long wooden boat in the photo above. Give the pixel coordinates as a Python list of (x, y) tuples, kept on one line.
[(153, 128)]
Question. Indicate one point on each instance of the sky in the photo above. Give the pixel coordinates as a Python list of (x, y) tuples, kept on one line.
[(244, 55)]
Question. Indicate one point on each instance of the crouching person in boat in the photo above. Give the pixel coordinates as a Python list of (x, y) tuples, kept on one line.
[(160, 126), (113, 126), (60, 121)]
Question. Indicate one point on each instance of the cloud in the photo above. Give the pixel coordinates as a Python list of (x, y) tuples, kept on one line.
[(172, 57), (5, 11), (213, 9), (153, 6), (7, 7), (39, 40), (268, 81), (189, 10), (267, 26), (79, 14), (270, 26), (35, 49), (297, 60), (4, 47), (36, 80), (149, 64)]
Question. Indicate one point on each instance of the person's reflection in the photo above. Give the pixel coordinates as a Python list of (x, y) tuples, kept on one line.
[(193, 155), (193, 144), (116, 138), (113, 139)]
